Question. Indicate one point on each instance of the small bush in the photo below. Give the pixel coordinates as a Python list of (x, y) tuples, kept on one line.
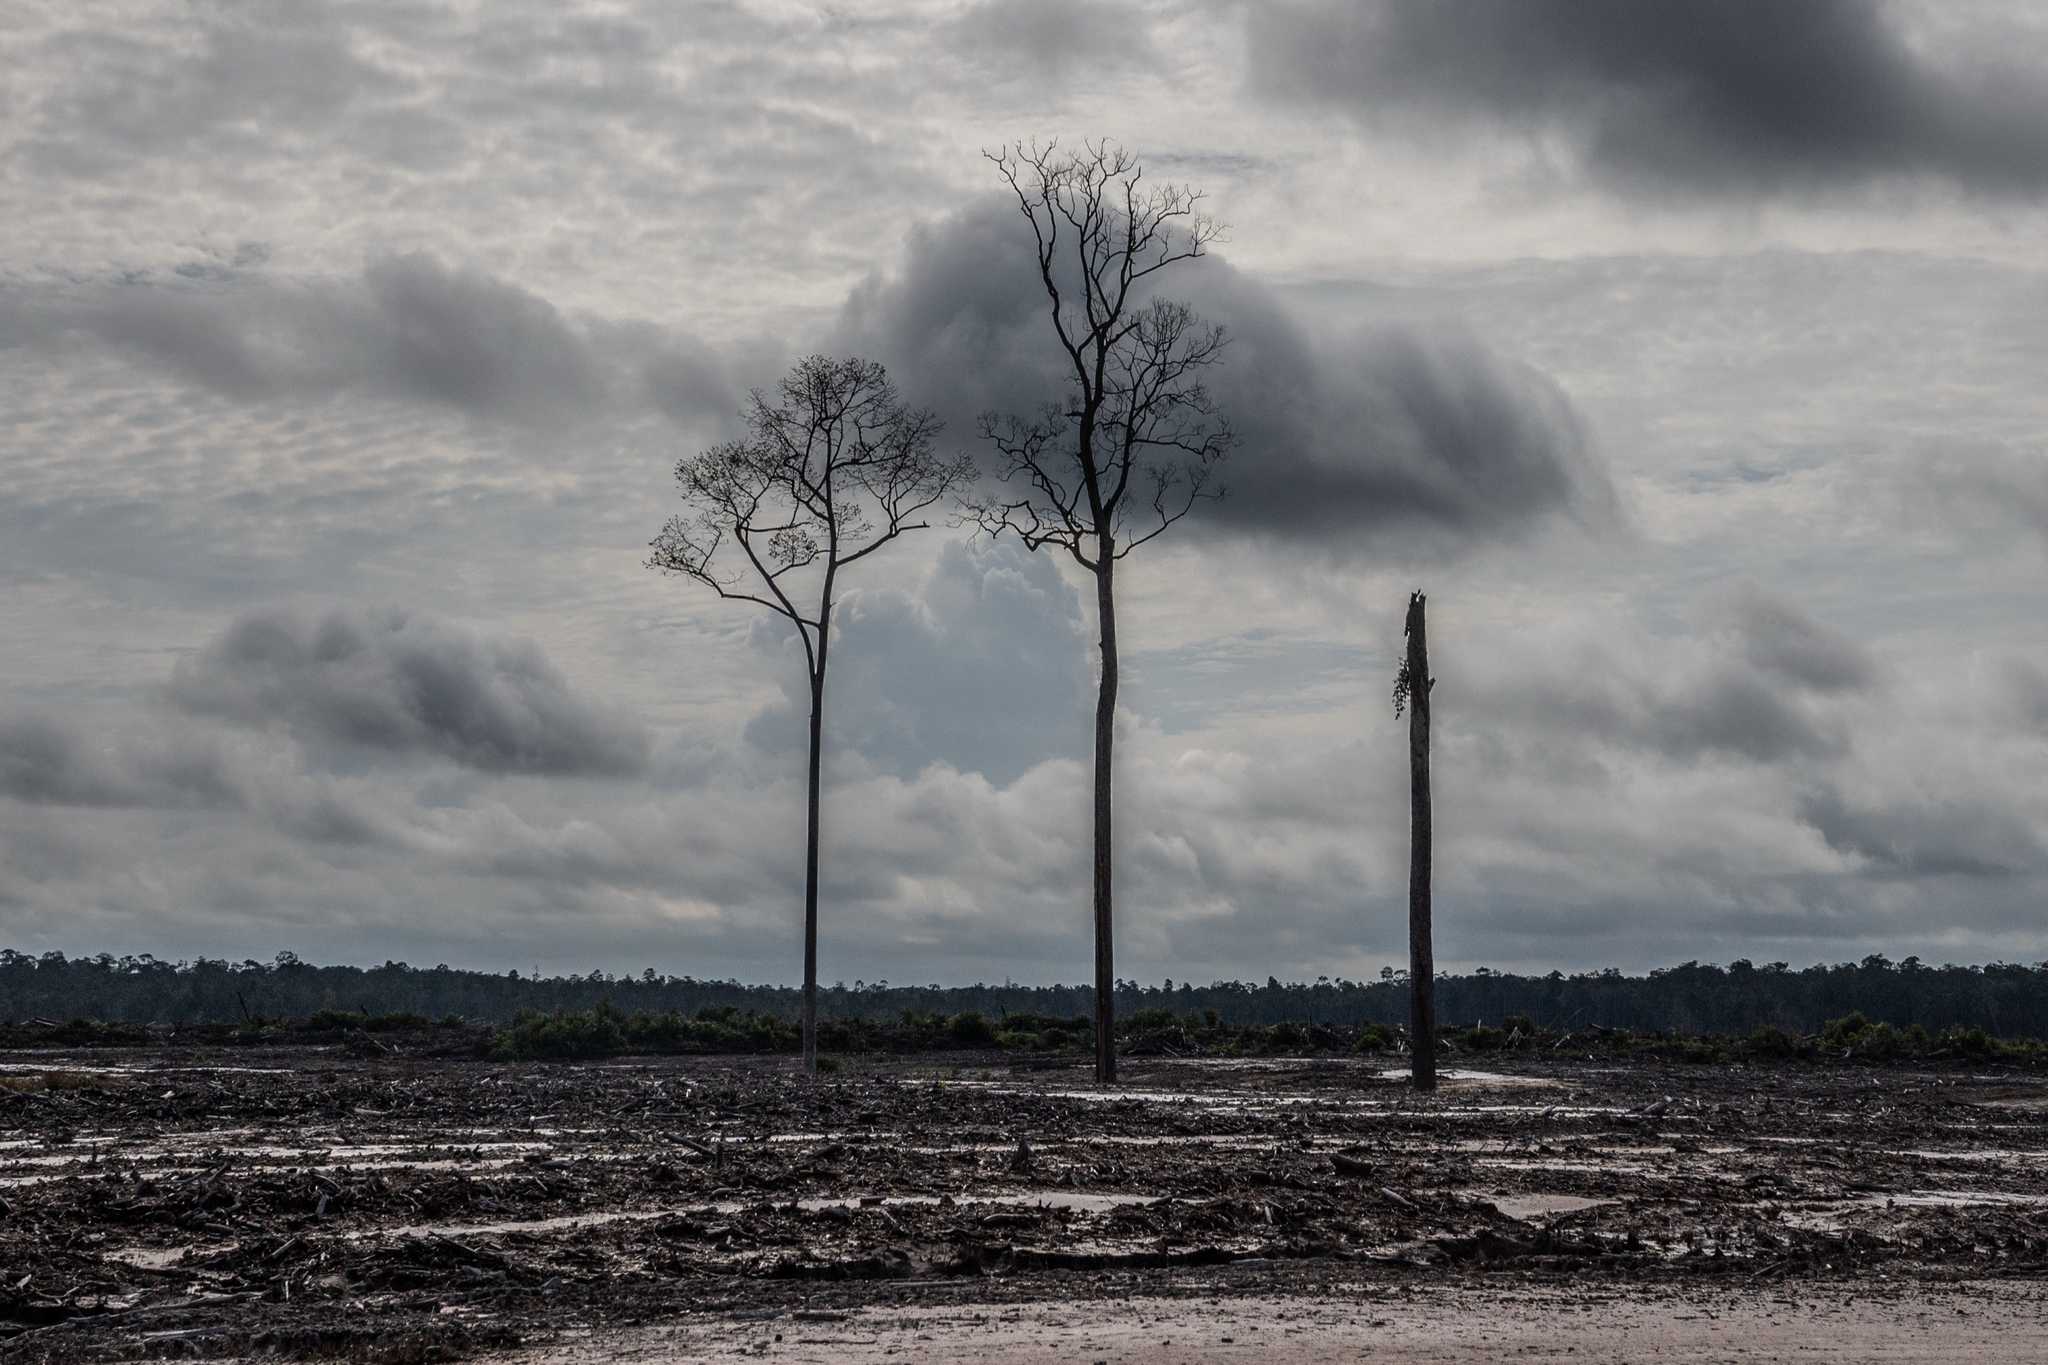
[(1480, 1038), (590, 1033), (1519, 1023), (1844, 1032), (1373, 1038), (1152, 1021), (1768, 1040), (1285, 1037), (971, 1029), (1969, 1042), (1880, 1043)]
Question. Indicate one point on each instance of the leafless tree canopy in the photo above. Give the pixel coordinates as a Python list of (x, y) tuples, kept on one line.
[(1135, 444), (833, 467)]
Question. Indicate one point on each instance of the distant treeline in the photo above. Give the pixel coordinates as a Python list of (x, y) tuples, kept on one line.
[(2005, 999)]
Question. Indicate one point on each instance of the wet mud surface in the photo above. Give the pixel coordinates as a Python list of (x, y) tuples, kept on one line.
[(156, 1206)]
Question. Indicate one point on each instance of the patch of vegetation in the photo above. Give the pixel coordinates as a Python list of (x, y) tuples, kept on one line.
[(605, 1030), (1768, 1040), (587, 1033), (971, 1029), (1969, 1042), (1480, 1038), (1152, 1021)]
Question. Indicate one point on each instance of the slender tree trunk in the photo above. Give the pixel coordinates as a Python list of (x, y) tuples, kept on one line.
[(810, 1016), (1421, 952), (1105, 738)]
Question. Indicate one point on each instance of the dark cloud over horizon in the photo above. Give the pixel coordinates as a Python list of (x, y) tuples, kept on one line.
[(408, 328), (404, 684), (48, 760), (1760, 682), (1685, 95)]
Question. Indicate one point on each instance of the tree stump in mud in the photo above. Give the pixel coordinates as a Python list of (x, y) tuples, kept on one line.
[(1411, 690)]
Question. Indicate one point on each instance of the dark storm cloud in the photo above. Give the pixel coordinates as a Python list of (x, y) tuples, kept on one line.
[(1415, 434), (403, 684), (1681, 93), (52, 760), (1410, 433)]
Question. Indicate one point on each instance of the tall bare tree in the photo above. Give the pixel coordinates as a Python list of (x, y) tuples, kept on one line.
[(1132, 447), (832, 468)]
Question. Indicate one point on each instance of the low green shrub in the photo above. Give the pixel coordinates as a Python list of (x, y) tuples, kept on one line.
[(1373, 1038), (1969, 1042), (1152, 1021), (1844, 1032), (1284, 1037), (1768, 1040), (1480, 1038), (971, 1029)]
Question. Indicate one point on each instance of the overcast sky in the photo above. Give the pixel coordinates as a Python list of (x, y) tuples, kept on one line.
[(1692, 356)]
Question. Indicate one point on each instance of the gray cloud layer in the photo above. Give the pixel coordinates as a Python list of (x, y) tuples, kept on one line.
[(408, 328), (1040, 40), (1697, 94), (46, 760), (1397, 434), (401, 684), (1763, 685)]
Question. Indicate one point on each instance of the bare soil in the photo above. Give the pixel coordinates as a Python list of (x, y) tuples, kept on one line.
[(175, 1203)]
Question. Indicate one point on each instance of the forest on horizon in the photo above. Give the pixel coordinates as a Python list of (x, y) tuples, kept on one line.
[(2005, 999)]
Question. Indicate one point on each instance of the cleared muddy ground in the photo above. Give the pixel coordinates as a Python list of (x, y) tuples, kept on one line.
[(178, 1205)]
